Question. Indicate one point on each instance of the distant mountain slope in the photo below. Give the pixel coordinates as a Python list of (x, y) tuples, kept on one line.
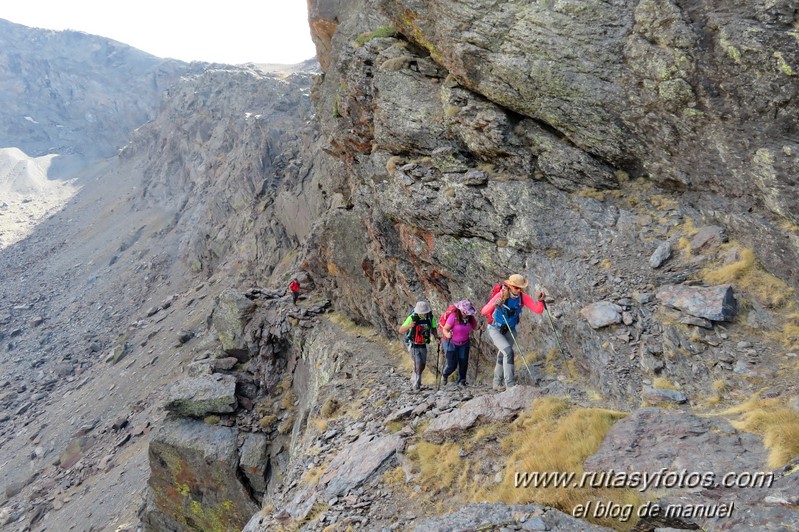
[(68, 92), (26, 193)]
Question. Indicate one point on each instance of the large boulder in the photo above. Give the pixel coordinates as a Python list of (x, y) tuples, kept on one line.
[(200, 396), (715, 303), (194, 479), (231, 314)]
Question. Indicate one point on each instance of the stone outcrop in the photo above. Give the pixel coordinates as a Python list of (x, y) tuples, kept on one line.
[(484, 409), (201, 396), (358, 462), (715, 303), (475, 142), (193, 480)]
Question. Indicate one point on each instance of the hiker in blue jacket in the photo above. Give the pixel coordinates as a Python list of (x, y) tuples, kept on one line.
[(503, 311)]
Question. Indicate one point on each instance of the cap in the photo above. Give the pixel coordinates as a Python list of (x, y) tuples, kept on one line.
[(421, 307)]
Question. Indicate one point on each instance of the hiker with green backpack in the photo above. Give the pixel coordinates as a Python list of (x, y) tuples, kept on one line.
[(503, 311), (457, 324), (419, 327)]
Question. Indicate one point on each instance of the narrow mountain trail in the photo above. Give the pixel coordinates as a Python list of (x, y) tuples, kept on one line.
[(361, 458)]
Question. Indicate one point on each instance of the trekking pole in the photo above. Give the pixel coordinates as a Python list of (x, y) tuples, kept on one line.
[(476, 361), (554, 330), (438, 370), (532, 379)]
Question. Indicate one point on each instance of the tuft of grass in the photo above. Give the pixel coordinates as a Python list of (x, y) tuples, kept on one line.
[(594, 396), (551, 436), (316, 512), (748, 275), (267, 423), (288, 400), (441, 466), (350, 327), (394, 477), (394, 426), (662, 383), (731, 272), (313, 474), (391, 164), (212, 419), (320, 424), (551, 358), (329, 408), (592, 193), (776, 422), (662, 203), (555, 436), (286, 425), (790, 331), (379, 33)]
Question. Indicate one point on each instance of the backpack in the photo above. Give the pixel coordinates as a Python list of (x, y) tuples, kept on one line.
[(419, 334), (494, 291), (444, 317)]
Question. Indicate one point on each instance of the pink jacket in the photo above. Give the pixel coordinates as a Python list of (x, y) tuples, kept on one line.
[(536, 306)]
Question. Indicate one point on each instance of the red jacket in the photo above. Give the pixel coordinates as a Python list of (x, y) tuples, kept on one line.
[(294, 286)]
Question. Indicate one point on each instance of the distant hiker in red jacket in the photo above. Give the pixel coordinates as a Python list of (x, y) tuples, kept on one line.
[(294, 287)]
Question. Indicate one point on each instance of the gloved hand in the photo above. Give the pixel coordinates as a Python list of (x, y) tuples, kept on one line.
[(540, 295)]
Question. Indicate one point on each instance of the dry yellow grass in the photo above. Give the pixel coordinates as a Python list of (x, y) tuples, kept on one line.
[(551, 436), (320, 424), (748, 275), (555, 436), (329, 408), (663, 203), (664, 384), (590, 192), (776, 422), (288, 400), (312, 475)]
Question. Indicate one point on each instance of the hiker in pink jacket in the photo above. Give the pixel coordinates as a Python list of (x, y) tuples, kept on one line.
[(503, 311), (457, 330)]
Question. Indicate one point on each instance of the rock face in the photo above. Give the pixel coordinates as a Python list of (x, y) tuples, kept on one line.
[(193, 480), (250, 191), (463, 131), (358, 462), (654, 81)]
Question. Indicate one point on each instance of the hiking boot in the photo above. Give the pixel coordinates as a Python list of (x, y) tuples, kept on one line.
[(462, 384), (498, 387)]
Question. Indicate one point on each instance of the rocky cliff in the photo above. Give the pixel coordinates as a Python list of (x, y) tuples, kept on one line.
[(635, 160)]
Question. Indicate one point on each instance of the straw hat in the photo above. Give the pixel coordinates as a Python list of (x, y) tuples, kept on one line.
[(517, 280)]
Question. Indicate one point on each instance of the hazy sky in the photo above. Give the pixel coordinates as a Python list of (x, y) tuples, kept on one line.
[(233, 31)]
